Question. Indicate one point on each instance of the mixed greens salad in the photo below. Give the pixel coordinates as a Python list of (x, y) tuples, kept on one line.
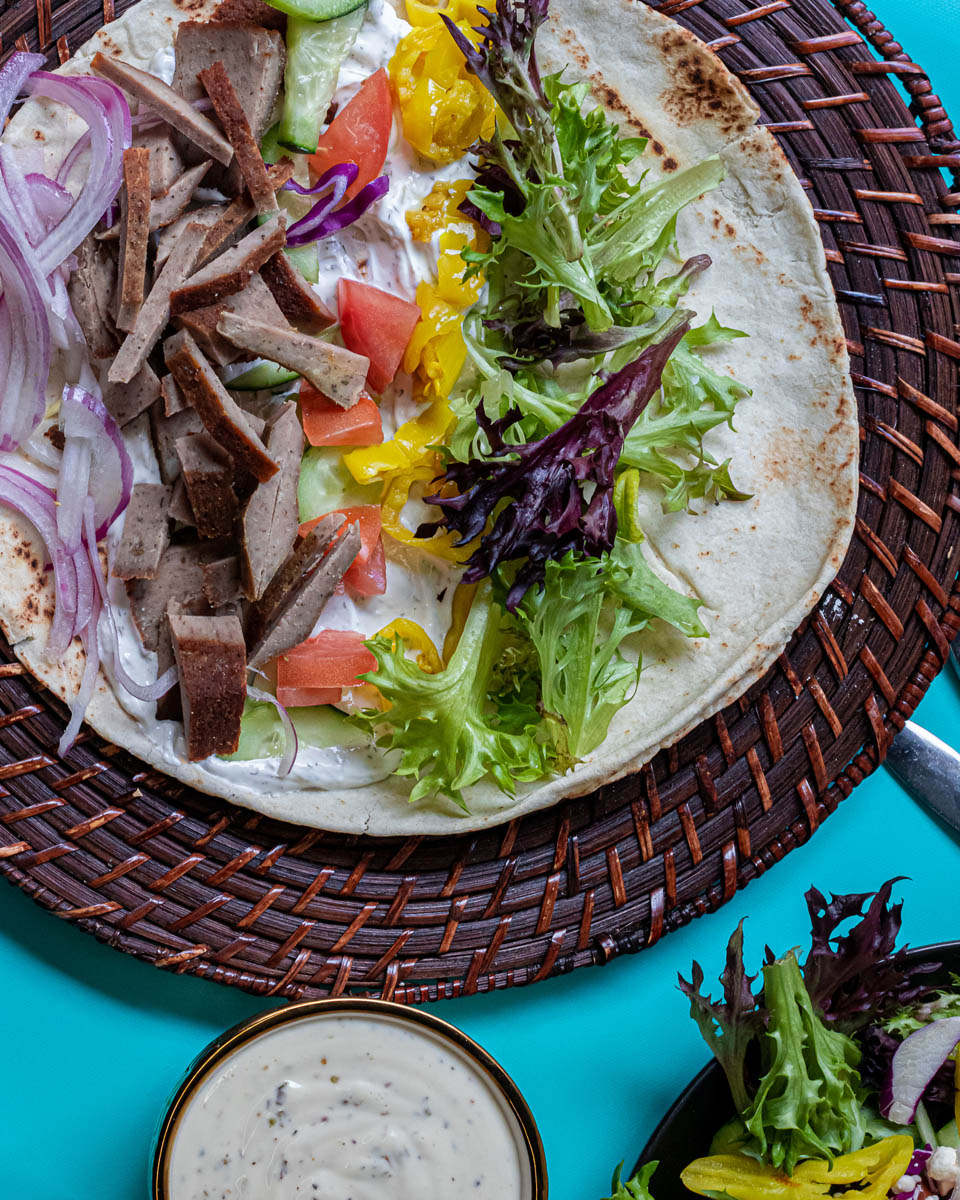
[(557, 366), (843, 1067)]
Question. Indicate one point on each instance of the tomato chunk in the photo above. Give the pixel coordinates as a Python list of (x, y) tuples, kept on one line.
[(376, 324), (367, 574), (297, 697), (332, 660), (369, 578), (359, 133), (327, 424)]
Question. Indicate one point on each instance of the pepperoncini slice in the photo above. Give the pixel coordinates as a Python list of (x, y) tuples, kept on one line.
[(417, 638), (462, 602), (427, 12), (396, 493), (440, 214), (866, 1174), (407, 448), (436, 351), (444, 108)]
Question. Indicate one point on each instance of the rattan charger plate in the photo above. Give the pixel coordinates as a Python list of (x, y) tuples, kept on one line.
[(195, 886)]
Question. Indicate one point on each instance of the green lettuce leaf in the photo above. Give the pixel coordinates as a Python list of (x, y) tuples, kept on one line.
[(577, 622), (636, 1188), (808, 1102), (477, 716)]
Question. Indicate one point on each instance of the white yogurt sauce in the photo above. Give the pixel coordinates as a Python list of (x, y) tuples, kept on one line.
[(348, 1108), (377, 249)]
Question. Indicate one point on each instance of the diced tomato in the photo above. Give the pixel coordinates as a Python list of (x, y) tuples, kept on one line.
[(332, 660), (367, 574), (376, 324), (359, 133), (369, 578), (327, 424), (297, 697)]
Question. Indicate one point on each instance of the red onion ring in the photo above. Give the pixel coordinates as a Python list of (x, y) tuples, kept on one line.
[(13, 75), (84, 416), (25, 341), (292, 744)]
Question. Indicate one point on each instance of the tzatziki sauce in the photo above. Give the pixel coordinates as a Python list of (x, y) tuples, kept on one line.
[(347, 1106)]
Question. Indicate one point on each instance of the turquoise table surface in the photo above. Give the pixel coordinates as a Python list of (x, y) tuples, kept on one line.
[(91, 1041)]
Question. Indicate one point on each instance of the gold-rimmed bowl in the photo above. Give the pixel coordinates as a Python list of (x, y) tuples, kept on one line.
[(217, 1054)]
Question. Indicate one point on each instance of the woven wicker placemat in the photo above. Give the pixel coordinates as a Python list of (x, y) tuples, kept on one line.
[(192, 885)]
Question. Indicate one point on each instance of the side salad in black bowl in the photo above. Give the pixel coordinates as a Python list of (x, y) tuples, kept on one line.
[(835, 1072)]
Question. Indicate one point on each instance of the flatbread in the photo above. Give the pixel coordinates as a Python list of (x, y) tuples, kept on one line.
[(760, 566)]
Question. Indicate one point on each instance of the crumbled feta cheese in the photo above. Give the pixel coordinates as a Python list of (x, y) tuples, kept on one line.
[(906, 1183), (943, 1170)]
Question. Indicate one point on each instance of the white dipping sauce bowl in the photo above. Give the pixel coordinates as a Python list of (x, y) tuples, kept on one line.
[(454, 1111)]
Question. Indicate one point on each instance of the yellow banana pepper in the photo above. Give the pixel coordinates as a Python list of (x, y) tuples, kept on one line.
[(444, 108), (436, 352), (866, 1174), (440, 213), (395, 496), (427, 12), (462, 603), (407, 448), (416, 638)]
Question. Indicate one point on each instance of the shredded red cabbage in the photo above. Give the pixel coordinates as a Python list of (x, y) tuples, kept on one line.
[(329, 215)]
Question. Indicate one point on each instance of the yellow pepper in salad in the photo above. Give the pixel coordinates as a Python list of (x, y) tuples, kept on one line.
[(436, 351), (440, 214), (443, 107), (866, 1174), (415, 637)]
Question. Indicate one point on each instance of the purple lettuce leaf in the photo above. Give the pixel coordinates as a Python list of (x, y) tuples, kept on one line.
[(731, 1025), (855, 978), (534, 493)]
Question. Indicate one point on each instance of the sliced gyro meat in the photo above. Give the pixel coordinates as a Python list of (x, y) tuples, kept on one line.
[(146, 532), (207, 215), (126, 401), (173, 398), (220, 413), (239, 213), (171, 106), (230, 112), (298, 302), (170, 205), (211, 663), (180, 510), (221, 581), (255, 300), (155, 312), (338, 373), (253, 58), (134, 234), (231, 271), (300, 590), (179, 577), (165, 431), (257, 12), (92, 288), (268, 526), (166, 162), (207, 473)]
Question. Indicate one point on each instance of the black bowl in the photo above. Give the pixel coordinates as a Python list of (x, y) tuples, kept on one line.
[(685, 1133)]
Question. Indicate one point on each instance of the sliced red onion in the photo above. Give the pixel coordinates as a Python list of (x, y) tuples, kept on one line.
[(88, 681), (24, 344), (50, 199), (84, 416), (341, 217), (915, 1062), (72, 490), (292, 746), (103, 106), (13, 75)]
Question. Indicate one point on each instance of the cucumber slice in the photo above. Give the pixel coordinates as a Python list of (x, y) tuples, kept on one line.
[(318, 10), (263, 377), (270, 149), (305, 258), (315, 51)]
